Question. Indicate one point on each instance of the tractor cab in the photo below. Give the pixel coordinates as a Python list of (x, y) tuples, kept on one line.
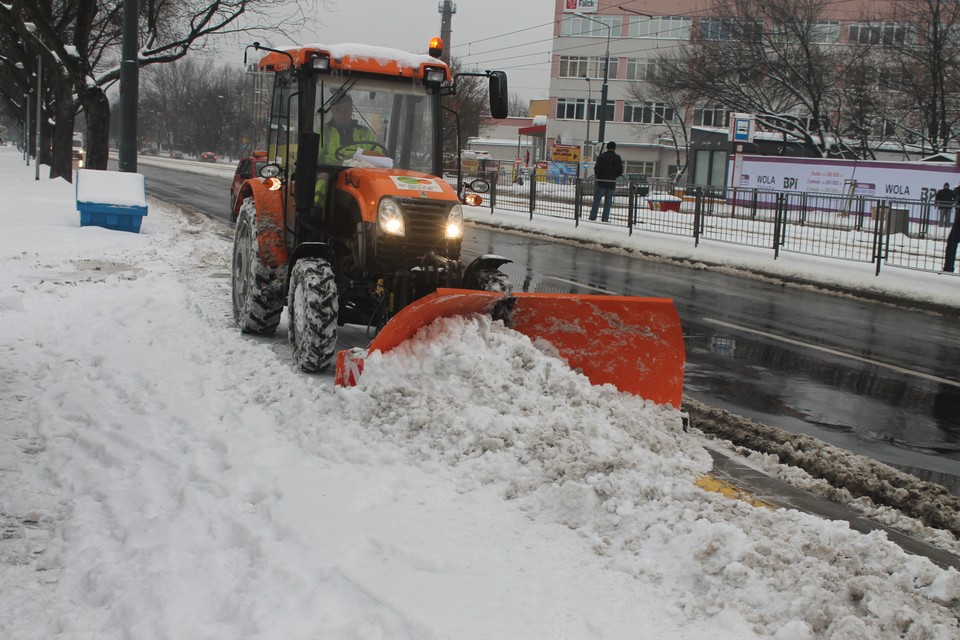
[(356, 135)]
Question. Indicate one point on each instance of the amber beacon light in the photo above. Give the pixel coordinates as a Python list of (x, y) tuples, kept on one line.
[(436, 47)]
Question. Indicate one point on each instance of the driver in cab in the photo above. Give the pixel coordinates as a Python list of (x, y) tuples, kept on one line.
[(339, 140), (342, 135)]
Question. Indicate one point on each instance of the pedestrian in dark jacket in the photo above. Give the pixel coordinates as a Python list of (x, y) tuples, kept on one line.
[(607, 169), (945, 199), (950, 257)]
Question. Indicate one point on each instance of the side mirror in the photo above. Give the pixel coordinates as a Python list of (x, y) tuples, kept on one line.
[(498, 94)]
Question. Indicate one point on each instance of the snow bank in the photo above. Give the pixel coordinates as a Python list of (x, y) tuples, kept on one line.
[(620, 472)]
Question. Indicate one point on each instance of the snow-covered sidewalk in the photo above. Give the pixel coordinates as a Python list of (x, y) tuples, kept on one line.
[(163, 476)]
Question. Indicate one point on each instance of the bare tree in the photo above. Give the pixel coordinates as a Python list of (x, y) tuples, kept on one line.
[(768, 57), (471, 105), (81, 40), (676, 104), (928, 61), (518, 107), (197, 106)]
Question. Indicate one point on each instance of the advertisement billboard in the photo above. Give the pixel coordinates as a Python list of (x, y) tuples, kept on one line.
[(873, 179), (565, 153)]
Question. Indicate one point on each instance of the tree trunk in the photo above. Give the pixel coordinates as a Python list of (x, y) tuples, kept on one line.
[(96, 111), (61, 165)]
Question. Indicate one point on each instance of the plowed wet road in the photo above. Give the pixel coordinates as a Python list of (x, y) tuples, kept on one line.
[(876, 380)]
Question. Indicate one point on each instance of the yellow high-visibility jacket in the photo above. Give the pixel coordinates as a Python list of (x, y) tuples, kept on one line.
[(335, 139)]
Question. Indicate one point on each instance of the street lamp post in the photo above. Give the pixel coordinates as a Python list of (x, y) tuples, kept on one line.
[(606, 73), (26, 131), (586, 141), (589, 100), (36, 164)]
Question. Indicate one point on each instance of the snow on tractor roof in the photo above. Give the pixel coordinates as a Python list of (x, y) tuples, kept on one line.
[(357, 57)]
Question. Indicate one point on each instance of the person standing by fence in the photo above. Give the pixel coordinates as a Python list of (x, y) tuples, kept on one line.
[(945, 199), (607, 169), (950, 255)]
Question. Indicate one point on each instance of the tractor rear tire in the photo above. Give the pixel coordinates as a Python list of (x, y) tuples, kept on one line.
[(313, 309), (257, 288), (494, 280)]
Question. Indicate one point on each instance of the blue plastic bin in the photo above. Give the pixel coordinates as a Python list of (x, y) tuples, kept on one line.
[(116, 217), (111, 199)]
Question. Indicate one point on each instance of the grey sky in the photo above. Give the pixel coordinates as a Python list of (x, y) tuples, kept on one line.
[(512, 35)]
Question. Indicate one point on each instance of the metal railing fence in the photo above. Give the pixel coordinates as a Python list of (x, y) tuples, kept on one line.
[(882, 231)]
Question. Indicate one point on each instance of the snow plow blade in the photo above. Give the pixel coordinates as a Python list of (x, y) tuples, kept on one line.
[(635, 344)]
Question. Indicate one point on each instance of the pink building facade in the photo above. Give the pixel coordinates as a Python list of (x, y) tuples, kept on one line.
[(636, 33)]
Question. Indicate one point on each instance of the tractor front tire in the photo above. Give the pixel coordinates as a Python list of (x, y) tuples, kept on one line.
[(257, 288), (313, 309)]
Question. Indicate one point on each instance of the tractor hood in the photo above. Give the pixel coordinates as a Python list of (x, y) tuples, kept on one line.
[(368, 185)]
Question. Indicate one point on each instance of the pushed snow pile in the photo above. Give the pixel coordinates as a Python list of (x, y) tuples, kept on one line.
[(471, 394), (484, 397)]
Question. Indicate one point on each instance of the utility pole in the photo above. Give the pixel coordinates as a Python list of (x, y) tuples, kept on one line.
[(447, 9), (129, 86)]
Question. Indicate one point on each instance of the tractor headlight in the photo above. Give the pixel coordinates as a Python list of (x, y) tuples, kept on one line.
[(455, 222), (390, 217)]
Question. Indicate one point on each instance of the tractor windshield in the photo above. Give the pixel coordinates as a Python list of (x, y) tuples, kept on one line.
[(376, 123)]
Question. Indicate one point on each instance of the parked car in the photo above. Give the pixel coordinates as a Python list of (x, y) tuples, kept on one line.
[(208, 156), (178, 155), (639, 180), (247, 168)]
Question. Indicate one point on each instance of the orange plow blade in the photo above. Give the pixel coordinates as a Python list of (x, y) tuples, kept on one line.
[(635, 344)]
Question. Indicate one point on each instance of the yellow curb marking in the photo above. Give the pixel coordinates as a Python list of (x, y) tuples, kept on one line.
[(728, 490)]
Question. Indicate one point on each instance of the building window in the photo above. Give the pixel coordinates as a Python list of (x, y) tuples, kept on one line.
[(887, 34), (730, 29), (648, 169), (592, 109), (710, 116), (584, 67), (584, 28), (891, 79), (661, 27), (570, 108), (642, 68), (573, 67), (825, 32), (648, 112)]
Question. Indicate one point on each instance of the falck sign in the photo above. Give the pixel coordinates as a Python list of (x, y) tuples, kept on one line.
[(580, 6)]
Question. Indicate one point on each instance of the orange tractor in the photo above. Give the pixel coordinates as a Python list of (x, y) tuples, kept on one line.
[(352, 222)]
